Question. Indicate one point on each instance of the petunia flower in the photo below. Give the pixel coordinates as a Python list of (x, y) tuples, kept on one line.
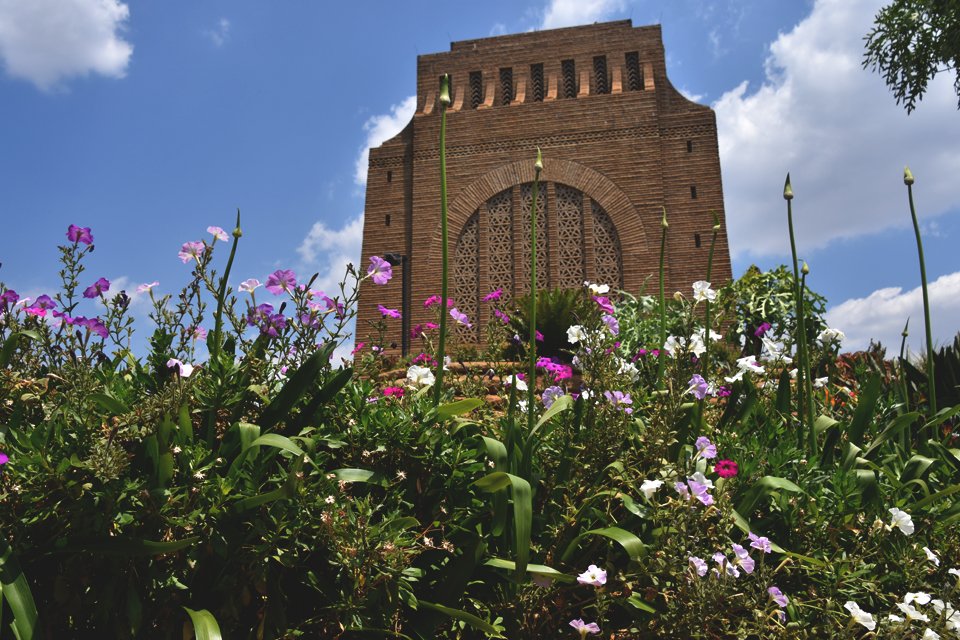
[(829, 336), (699, 565), (4, 458), (388, 313), (380, 271), (393, 392), (77, 234), (620, 400), (613, 326), (697, 346), (501, 316), (705, 448), (901, 520), (550, 395), (143, 288), (778, 597), (649, 487), (594, 575), (576, 334), (248, 285), (190, 250), (702, 291), (931, 556), (420, 376), (762, 329), (99, 287), (281, 280), (496, 294), (218, 233), (674, 345), (697, 386), (460, 317), (760, 542), (40, 306), (516, 380), (930, 634), (860, 616), (583, 628), (604, 303), (912, 612), (184, 370), (597, 289), (742, 558)]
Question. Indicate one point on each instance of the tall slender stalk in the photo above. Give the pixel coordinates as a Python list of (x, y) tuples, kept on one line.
[(706, 319), (441, 342), (663, 304), (532, 351), (801, 336), (931, 382), (805, 362), (214, 348)]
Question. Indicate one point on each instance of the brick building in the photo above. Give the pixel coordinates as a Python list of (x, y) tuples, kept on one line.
[(619, 143)]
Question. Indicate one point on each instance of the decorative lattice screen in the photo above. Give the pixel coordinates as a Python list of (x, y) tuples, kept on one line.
[(570, 236), (543, 262), (607, 249), (466, 278), (500, 238)]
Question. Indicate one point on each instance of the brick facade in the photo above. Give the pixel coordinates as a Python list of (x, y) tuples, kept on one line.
[(619, 143)]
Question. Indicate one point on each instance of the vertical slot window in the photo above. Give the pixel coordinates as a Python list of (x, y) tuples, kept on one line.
[(601, 82), (537, 91), (506, 86), (634, 77), (476, 89), (568, 71), (693, 192)]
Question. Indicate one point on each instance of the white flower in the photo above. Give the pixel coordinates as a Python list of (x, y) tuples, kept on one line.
[(930, 634), (775, 352), (248, 285), (422, 376), (575, 334), (748, 363), (674, 345), (597, 289), (919, 597), (955, 572), (931, 556), (330, 500), (183, 369), (819, 383), (518, 382), (702, 291), (894, 618), (649, 487), (901, 520), (702, 479), (714, 336), (861, 616), (629, 369), (911, 613), (829, 335), (793, 374), (696, 345)]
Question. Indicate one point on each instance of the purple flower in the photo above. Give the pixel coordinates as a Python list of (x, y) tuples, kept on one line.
[(183, 370), (698, 387), (79, 234), (460, 317), (682, 489), (218, 233), (701, 491), (379, 270), (501, 316), (199, 333), (388, 313), (743, 558), (612, 324), (594, 575), (550, 395), (281, 280), (99, 287), (9, 297), (620, 400), (705, 448), (760, 542), (493, 295), (778, 596), (604, 303), (723, 392), (699, 565), (762, 329), (537, 335), (190, 250), (40, 306), (583, 628), (93, 325)]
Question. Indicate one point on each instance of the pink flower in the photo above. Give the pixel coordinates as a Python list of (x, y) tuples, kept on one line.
[(493, 295), (388, 313), (762, 329), (604, 303), (281, 280), (79, 234), (146, 287), (189, 251), (594, 575), (726, 468), (435, 300), (393, 392), (379, 270), (501, 316), (218, 233), (97, 288), (357, 348), (184, 370), (4, 458), (583, 628), (199, 333), (248, 285)]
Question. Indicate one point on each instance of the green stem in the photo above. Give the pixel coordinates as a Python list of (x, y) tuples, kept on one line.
[(441, 342), (807, 372), (663, 309), (532, 354), (221, 296), (931, 382), (705, 364)]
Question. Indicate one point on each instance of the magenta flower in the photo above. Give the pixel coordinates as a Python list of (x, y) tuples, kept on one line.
[(4, 458), (726, 468), (218, 233), (594, 575), (604, 303), (199, 333), (760, 542), (537, 335), (379, 270), (93, 325), (698, 387), (460, 317), (281, 280), (493, 295), (40, 306), (99, 287), (584, 628), (762, 329), (435, 300), (388, 313), (723, 392), (501, 316), (393, 392), (705, 448), (190, 250), (357, 347), (77, 234)]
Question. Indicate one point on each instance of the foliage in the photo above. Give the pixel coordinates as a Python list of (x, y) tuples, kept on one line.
[(911, 42)]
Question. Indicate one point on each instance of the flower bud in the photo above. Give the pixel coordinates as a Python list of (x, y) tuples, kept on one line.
[(906, 327), (677, 296), (805, 270), (538, 165), (663, 221), (445, 90), (716, 221), (787, 189), (907, 176), (237, 232)]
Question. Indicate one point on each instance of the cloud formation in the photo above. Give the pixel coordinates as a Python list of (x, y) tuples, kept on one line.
[(47, 41), (219, 34), (882, 314), (837, 129), (328, 251), (381, 128), (569, 13)]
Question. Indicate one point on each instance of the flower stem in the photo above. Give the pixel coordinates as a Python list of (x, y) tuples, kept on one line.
[(931, 382), (663, 308), (532, 353), (214, 348), (441, 342)]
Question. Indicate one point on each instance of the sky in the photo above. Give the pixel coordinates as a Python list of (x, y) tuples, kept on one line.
[(149, 121)]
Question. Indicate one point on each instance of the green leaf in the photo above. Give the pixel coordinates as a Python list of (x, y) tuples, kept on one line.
[(498, 453), (245, 504), (915, 468), (16, 591), (122, 546), (866, 405), (204, 624), (764, 488), (310, 412), (522, 511), (940, 495), (296, 386), (559, 405), (186, 424), (109, 404), (630, 543), (458, 408), (539, 569), (359, 475), (274, 440), (469, 618), (637, 602), (892, 430), (9, 347)]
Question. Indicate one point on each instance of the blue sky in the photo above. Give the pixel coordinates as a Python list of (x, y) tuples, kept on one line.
[(149, 121)]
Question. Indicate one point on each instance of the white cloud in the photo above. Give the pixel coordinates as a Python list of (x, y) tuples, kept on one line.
[(882, 314), (569, 13), (219, 34), (328, 251), (837, 129), (48, 41), (381, 128)]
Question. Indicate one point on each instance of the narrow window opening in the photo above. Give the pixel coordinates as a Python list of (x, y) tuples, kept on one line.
[(386, 222), (536, 82), (696, 240), (634, 77), (689, 146), (476, 89), (693, 192), (600, 74), (569, 72), (506, 86), (389, 176)]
